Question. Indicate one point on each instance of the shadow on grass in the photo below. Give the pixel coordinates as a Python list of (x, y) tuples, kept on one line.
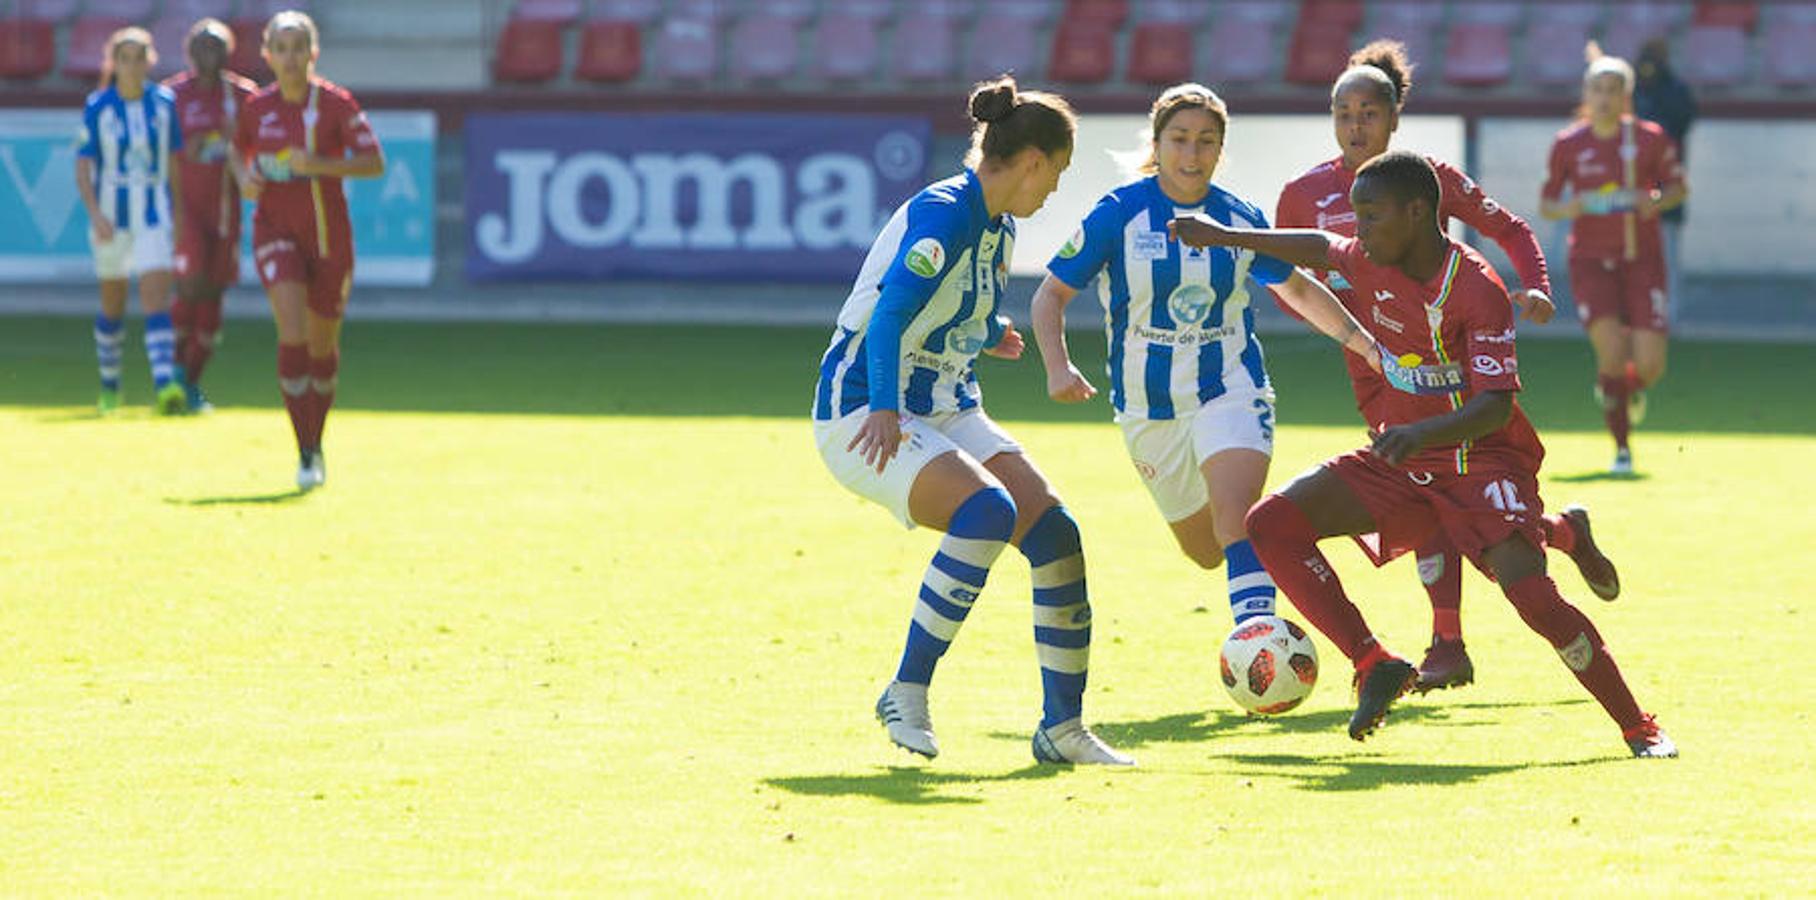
[(1193, 727), (1583, 477), (240, 500), (904, 784), (1353, 773)]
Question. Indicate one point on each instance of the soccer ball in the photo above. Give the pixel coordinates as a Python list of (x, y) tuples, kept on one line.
[(1268, 665)]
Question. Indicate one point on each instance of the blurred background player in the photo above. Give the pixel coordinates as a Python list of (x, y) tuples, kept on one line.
[(123, 172), (899, 420), (208, 98), (295, 140), (1622, 172), (1187, 379), (1659, 96), (1453, 450), (1366, 102)]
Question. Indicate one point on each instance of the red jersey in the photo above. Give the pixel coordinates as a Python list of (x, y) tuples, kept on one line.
[(329, 122), (207, 117), (1609, 174), (1443, 341)]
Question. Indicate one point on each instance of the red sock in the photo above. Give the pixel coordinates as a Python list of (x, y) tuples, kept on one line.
[(1574, 637), (324, 374), (1441, 571), (1634, 385), (1614, 408), (1287, 544), (182, 324), (293, 380), (1559, 535), (200, 346)]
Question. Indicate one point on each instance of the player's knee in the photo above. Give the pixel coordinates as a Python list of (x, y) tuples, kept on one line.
[(988, 514), (1054, 535), (1206, 553), (1276, 519)]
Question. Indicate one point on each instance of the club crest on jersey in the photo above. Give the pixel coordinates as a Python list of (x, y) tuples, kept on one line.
[(925, 257), (967, 339), (1073, 244), (1409, 373), (1190, 304)]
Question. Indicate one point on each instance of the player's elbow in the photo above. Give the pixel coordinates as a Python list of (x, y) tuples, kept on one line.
[(1496, 409)]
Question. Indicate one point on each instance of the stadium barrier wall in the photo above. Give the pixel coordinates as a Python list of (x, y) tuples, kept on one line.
[(44, 230)]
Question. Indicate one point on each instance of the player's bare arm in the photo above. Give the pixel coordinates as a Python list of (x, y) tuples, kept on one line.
[(1483, 414), (363, 165), (1307, 247), (1064, 382), (102, 226), (1313, 301)]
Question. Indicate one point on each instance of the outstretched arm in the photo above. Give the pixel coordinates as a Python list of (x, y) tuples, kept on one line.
[(1298, 246), (1316, 304)]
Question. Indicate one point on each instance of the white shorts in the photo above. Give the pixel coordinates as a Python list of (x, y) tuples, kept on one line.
[(924, 438), (132, 253), (1168, 453)]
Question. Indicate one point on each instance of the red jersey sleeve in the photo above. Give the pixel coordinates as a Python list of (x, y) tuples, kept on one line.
[(1294, 209), (1557, 170), (355, 129), (1463, 199), (1667, 167), (1344, 254), (1493, 363), (245, 130)]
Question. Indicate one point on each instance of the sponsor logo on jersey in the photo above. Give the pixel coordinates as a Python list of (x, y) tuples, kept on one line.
[(1190, 304), (1382, 295), (1073, 244), (1328, 200), (1487, 365), (1382, 320), (1148, 245), (1185, 337), (1412, 375), (925, 257), (1325, 220)]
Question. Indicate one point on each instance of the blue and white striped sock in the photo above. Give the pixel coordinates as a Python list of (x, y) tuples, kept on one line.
[(161, 349), (108, 336), (1251, 588), (974, 539), (1062, 614)]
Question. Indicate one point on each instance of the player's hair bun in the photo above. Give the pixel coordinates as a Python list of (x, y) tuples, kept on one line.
[(993, 101)]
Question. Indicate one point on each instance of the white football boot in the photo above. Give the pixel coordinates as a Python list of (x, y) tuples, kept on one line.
[(1623, 463), (311, 472), (1070, 742), (903, 711)]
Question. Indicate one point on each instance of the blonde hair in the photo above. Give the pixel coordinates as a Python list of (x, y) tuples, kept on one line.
[(293, 20), (1601, 64), (1170, 103), (122, 37)]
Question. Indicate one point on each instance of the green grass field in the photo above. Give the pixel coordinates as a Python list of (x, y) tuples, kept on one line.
[(553, 627)]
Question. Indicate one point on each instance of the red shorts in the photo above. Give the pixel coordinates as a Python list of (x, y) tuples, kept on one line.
[(203, 252), (281, 258), (1474, 511), (1631, 292)]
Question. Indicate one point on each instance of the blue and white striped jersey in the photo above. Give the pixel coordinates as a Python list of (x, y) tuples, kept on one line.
[(131, 142), (948, 258), (1198, 341)]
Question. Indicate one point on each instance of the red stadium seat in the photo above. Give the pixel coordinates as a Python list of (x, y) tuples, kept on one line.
[(1084, 52), (1788, 60), (1631, 25), (1417, 12), (687, 48), (529, 51), (28, 48), (1479, 55), (1319, 52), (1001, 44), (1347, 13), (563, 12), (1419, 36), (248, 44), (764, 48), (1160, 54), (1741, 14), (1554, 51), (931, 57), (1104, 12), (134, 11), (1492, 12), (1714, 56), (611, 51), (1241, 51), (87, 41), (47, 10), (846, 47)]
